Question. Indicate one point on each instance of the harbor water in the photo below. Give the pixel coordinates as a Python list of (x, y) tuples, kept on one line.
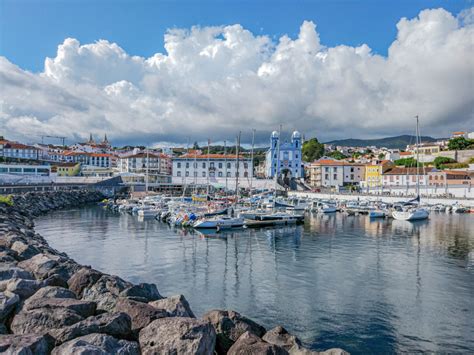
[(367, 286)]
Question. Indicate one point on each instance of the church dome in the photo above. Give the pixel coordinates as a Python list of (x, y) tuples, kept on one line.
[(296, 135), (275, 134)]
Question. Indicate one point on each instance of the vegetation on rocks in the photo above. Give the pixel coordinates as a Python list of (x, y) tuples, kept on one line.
[(7, 200), (49, 304)]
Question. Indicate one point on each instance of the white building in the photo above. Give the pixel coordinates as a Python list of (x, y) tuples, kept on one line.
[(289, 160), (19, 151), (405, 177), (212, 168), (157, 166), (327, 172)]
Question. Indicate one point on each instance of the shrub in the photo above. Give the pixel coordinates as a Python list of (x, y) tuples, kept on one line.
[(453, 166), (442, 161), (8, 200)]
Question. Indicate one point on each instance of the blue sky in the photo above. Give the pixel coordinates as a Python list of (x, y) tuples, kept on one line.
[(31, 30)]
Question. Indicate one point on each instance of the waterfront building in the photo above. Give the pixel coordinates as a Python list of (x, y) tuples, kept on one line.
[(66, 169), (17, 150), (24, 173), (156, 165), (374, 172), (328, 172), (289, 162), (400, 176), (445, 178), (215, 168)]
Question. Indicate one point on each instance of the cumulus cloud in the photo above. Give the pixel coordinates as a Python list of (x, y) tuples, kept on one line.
[(216, 81)]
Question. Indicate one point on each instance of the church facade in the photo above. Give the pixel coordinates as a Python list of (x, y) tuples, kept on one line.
[(289, 160)]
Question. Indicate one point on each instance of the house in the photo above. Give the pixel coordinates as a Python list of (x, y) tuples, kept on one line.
[(66, 169), (327, 172), (17, 150), (24, 169), (215, 168), (400, 176), (374, 171), (284, 158), (156, 166), (449, 178)]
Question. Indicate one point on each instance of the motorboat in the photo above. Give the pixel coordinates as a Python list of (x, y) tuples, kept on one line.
[(220, 222)]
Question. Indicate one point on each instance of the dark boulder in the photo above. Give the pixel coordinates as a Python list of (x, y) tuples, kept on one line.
[(51, 292), (83, 308), (23, 288), (43, 320), (118, 325), (280, 336), (105, 292), (250, 344), (8, 302), (83, 278), (143, 292), (25, 344), (140, 313), (229, 326)]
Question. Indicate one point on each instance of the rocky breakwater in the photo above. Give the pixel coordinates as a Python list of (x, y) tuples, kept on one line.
[(49, 304)]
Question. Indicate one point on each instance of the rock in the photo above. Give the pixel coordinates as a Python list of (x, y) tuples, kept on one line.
[(3, 329), (8, 302), (118, 325), (25, 344), (299, 350), (83, 278), (230, 326), (97, 344), (83, 308), (7, 273), (51, 292), (23, 288), (39, 265), (56, 280), (178, 336), (105, 291), (140, 313), (279, 336), (176, 306), (250, 344), (25, 251), (145, 291), (43, 320)]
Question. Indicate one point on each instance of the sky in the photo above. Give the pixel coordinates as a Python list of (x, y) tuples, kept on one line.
[(153, 71)]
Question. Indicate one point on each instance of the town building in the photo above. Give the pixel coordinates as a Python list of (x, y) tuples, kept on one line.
[(289, 162), (9, 149), (405, 177), (24, 169), (374, 172), (66, 169), (213, 168), (156, 166), (444, 178), (327, 172)]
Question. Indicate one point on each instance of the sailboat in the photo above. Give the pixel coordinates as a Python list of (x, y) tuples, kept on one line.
[(411, 210)]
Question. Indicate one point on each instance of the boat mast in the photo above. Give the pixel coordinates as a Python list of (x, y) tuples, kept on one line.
[(237, 169), (225, 166), (186, 171), (208, 162), (417, 159), (251, 164), (277, 167), (146, 171)]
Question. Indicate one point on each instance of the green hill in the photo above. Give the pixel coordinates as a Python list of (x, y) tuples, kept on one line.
[(398, 142)]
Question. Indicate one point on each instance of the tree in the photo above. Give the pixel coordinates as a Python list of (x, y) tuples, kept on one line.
[(439, 161), (312, 150), (406, 162), (381, 156), (460, 143), (337, 155), (196, 146)]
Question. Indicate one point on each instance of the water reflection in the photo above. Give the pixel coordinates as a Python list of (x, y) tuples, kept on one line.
[(370, 286)]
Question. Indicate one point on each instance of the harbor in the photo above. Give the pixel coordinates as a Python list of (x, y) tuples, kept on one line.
[(337, 280)]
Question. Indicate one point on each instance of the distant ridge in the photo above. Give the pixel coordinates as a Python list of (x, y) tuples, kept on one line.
[(398, 142)]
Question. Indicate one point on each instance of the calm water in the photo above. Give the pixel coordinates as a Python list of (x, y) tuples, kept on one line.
[(366, 286)]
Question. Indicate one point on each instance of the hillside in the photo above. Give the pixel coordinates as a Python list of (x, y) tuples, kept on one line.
[(399, 142)]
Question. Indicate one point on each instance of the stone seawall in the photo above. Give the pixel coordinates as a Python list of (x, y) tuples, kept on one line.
[(49, 304)]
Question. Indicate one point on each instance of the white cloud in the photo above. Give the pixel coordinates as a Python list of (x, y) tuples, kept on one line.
[(215, 81)]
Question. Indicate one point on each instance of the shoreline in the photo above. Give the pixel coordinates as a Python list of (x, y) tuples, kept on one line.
[(52, 304)]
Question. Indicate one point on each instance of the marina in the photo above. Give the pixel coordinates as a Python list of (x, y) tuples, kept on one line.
[(352, 281)]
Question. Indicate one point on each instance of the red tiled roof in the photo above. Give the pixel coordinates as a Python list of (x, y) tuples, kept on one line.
[(211, 156), (407, 171)]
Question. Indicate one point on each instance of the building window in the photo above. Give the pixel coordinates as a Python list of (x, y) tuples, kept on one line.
[(220, 165), (195, 165), (246, 165), (326, 169), (204, 165), (237, 174), (326, 176), (211, 164), (195, 174), (228, 174), (187, 165), (187, 173), (228, 165), (246, 174), (203, 174), (335, 177), (179, 173), (220, 174)]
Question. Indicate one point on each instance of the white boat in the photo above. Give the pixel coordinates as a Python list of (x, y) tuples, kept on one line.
[(322, 207), (219, 222), (411, 214)]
